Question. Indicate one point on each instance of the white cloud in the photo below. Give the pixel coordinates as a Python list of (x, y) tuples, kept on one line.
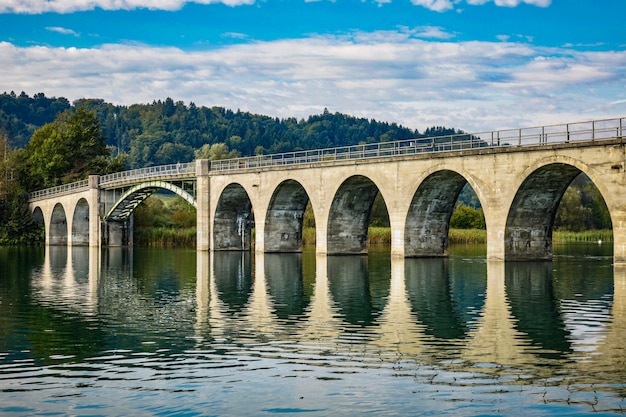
[(394, 77), (62, 31), (436, 5), (69, 6), (511, 3)]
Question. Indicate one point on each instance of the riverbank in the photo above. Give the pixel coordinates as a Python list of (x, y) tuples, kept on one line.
[(167, 236)]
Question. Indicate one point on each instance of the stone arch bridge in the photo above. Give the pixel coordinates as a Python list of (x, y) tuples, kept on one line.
[(519, 176)]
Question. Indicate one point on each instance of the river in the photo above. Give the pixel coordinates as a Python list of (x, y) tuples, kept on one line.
[(172, 332)]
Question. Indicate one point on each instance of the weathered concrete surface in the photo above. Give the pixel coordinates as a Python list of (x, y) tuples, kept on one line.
[(232, 225), (283, 222), (428, 219)]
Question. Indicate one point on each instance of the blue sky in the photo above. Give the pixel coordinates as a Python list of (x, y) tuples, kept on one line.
[(471, 64)]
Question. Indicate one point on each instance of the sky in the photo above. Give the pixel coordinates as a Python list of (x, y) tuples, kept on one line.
[(475, 65)]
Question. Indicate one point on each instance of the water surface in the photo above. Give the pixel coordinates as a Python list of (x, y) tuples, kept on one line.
[(170, 332)]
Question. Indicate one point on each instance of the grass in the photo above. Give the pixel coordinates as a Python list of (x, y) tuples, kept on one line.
[(166, 236), (585, 236), (382, 235)]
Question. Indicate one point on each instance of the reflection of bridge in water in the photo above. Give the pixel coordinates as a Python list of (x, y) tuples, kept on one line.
[(485, 326)]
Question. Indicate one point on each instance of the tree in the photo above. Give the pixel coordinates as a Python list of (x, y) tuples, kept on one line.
[(68, 149), (465, 217), (215, 152), (16, 222)]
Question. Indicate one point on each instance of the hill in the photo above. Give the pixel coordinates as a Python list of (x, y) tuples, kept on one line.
[(166, 131)]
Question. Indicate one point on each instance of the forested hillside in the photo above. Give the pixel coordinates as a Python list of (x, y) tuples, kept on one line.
[(168, 132)]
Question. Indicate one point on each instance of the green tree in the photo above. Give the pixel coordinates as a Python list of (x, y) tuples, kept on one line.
[(216, 151), (16, 222), (68, 149), (582, 207), (465, 217)]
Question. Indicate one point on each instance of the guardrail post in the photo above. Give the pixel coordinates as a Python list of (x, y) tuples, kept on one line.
[(593, 130)]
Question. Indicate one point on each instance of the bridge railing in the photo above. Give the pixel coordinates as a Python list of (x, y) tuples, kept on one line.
[(532, 136), (61, 189), (542, 135), (187, 168)]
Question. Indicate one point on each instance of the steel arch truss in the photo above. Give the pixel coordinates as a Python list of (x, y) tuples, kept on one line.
[(131, 197)]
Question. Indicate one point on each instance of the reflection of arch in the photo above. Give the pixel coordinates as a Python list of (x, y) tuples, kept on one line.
[(360, 296), (534, 307), (58, 226), (529, 223), (445, 301), (232, 277), (232, 227), (284, 279), (80, 223), (283, 222), (125, 205), (349, 215), (428, 219)]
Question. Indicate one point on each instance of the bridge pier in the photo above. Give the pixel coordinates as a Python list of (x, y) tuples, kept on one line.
[(203, 211), (116, 233), (95, 232)]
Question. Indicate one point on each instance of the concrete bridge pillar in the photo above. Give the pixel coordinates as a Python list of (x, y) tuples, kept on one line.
[(203, 211), (116, 233), (95, 234)]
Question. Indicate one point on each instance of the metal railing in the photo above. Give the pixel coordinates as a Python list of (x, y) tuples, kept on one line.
[(61, 189), (532, 136), (570, 133)]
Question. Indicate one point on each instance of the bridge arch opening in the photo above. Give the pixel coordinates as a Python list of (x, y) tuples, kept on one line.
[(58, 226), (350, 214), (119, 224), (234, 220), (80, 223), (164, 219), (428, 219), (543, 202), (39, 221), (285, 218)]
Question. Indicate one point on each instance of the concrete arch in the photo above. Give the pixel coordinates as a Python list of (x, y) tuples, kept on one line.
[(598, 179), (528, 231), (349, 214), (284, 217), (80, 223), (233, 219), (57, 230), (127, 202), (428, 218)]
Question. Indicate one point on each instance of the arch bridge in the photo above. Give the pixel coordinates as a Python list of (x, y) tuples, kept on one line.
[(519, 176)]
